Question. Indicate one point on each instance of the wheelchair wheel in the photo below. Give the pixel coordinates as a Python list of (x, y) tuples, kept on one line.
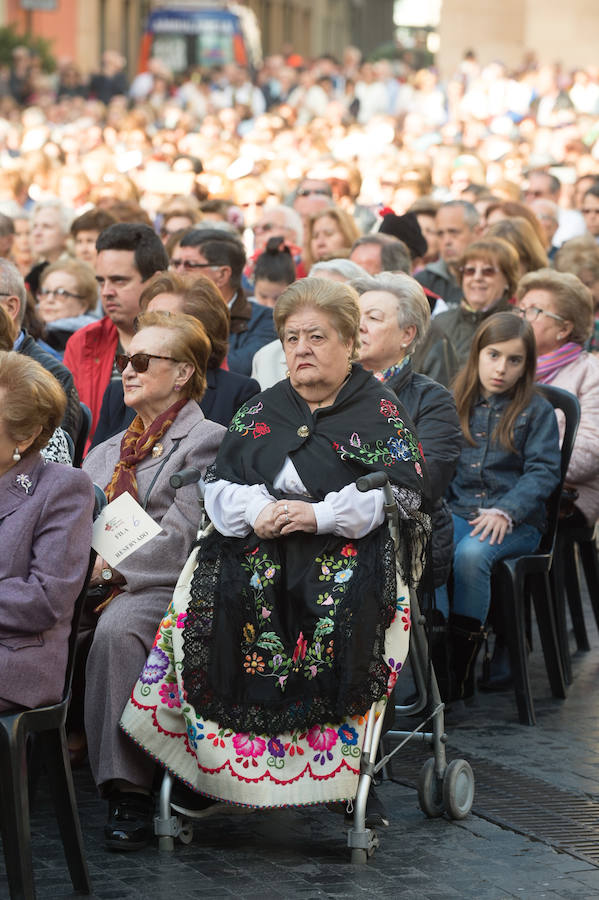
[(430, 791), (458, 788), (186, 831)]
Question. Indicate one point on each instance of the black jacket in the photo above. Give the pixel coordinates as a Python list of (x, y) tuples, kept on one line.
[(72, 417), (433, 412), (225, 392), (460, 324)]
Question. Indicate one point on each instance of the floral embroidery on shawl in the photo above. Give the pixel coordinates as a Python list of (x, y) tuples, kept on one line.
[(256, 429), (401, 448)]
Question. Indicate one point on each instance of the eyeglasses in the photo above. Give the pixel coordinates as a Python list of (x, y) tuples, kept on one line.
[(532, 313), (58, 292), (189, 265), (260, 229), (305, 192), (139, 361), (485, 271)]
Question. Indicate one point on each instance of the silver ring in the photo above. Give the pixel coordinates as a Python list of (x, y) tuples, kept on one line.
[(286, 518), (286, 508)]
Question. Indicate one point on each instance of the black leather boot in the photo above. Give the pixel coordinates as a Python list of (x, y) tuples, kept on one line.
[(500, 669), (466, 637), (439, 651), (130, 821)]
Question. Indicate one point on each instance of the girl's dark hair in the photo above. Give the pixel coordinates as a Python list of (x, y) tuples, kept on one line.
[(503, 326), (275, 263)]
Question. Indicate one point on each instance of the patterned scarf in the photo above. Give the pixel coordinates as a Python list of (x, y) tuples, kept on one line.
[(386, 374), (549, 364), (136, 444)]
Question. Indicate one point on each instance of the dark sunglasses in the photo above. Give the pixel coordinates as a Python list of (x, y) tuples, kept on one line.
[(139, 361), (305, 192)]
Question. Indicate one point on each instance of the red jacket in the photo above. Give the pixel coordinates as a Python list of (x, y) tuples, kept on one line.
[(89, 355)]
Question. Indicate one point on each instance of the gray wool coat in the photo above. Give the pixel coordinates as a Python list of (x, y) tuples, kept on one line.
[(126, 628), (45, 536)]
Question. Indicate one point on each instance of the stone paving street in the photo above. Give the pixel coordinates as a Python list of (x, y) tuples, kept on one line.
[(303, 854)]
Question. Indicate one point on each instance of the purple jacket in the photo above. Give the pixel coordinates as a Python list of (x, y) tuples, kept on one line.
[(45, 537)]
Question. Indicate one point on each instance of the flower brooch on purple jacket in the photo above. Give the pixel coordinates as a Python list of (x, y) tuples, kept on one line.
[(25, 482)]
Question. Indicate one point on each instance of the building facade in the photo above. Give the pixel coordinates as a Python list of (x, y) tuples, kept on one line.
[(82, 29)]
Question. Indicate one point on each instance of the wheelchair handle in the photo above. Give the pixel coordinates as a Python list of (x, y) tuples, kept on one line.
[(369, 482), (185, 476)]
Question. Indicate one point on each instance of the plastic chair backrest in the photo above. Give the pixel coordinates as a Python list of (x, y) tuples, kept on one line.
[(570, 407), (86, 424)]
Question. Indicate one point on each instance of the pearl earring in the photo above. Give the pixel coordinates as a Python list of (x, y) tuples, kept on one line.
[(16, 455), (177, 387)]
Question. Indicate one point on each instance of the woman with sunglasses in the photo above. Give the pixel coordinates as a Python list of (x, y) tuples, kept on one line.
[(488, 273), (66, 300), (164, 377)]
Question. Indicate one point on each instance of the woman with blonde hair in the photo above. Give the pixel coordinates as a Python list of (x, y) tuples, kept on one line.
[(164, 378), (521, 235), (66, 299), (488, 274), (330, 233)]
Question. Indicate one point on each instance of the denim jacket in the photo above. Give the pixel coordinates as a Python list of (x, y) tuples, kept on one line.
[(489, 476)]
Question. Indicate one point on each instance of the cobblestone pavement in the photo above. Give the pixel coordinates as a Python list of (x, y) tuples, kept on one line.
[(303, 854)]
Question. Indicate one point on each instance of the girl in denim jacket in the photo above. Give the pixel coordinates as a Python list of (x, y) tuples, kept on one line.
[(508, 467)]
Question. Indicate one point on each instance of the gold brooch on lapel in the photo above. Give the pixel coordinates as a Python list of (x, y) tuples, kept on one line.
[(157, 450), (303, 431)]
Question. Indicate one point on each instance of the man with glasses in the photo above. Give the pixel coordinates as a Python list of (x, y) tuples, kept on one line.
[(312, 195), (278, 221), (128, 254), (13, 297), (220, 256)]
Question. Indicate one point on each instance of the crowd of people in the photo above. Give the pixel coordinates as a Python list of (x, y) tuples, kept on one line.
[(285, 281)]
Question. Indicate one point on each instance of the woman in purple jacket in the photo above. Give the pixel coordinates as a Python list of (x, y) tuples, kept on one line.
[(45, 534)]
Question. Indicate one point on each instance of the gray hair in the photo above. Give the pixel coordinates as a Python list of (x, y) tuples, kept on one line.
[(344, 267), (471, 216), (12, 284), (395, 256), (7, 226), (65, 214), (291, 218), (412, 308)]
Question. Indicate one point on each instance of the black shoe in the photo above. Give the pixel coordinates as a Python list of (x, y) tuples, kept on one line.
[(130, 821), (500, 670)]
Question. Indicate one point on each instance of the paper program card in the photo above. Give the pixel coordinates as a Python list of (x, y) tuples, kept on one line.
[(122, 528)]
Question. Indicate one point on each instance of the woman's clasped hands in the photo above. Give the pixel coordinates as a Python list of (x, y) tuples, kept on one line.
[(284, 517)]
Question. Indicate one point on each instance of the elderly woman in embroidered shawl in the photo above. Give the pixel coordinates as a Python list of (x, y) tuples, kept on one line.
[(293, 615)]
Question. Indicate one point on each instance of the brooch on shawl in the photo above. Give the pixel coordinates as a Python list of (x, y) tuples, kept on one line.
[(25, 482)]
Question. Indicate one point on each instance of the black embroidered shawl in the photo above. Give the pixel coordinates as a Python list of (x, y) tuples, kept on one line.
[(285, 634)]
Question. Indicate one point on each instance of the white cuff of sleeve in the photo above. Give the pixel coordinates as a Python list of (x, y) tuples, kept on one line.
[(255, 507), (325, 517), (499, 512)]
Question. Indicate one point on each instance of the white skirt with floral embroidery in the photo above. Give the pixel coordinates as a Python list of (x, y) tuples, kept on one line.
[(318, 765)]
